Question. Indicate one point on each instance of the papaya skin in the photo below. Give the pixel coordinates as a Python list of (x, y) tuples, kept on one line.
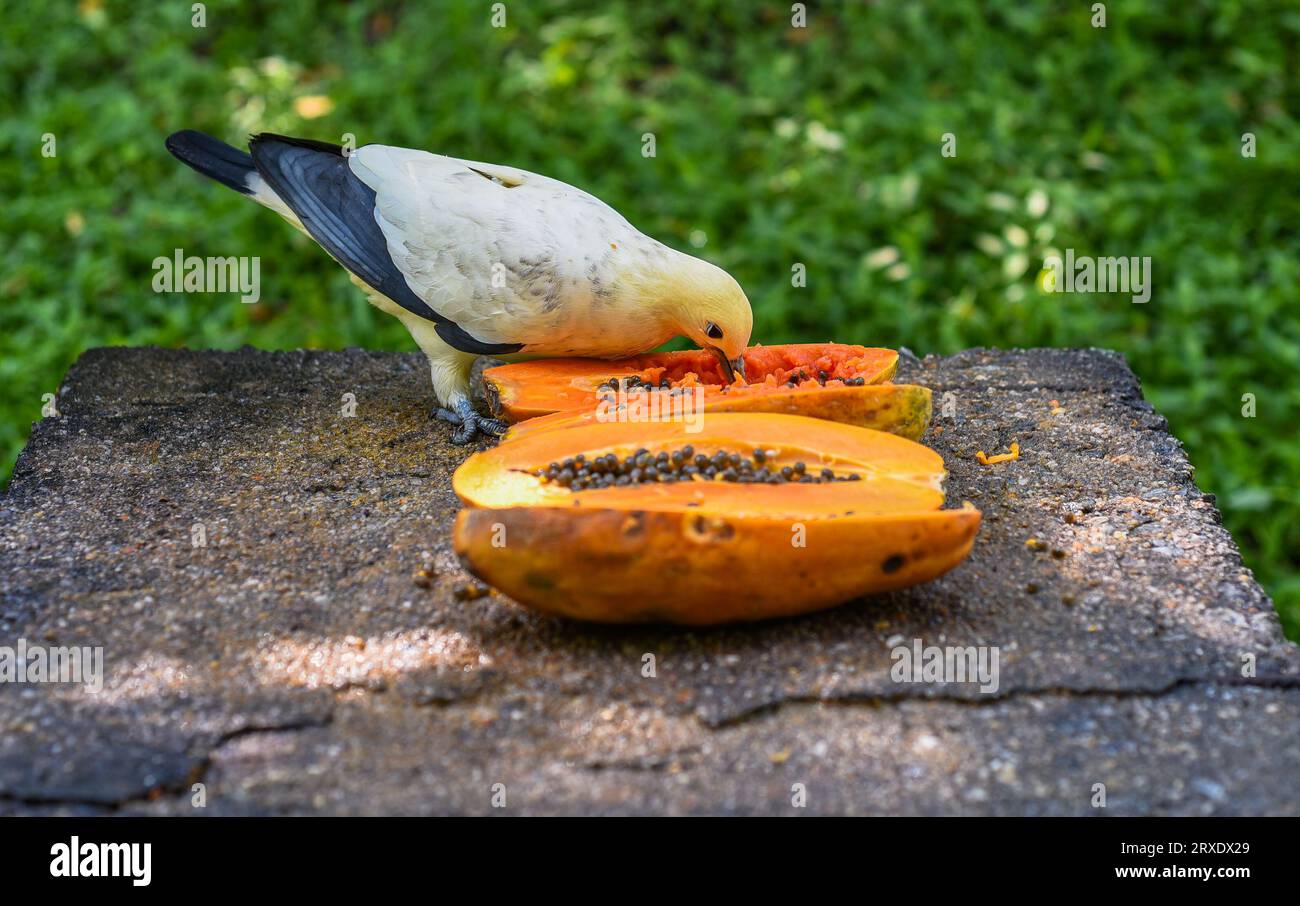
[(539, 387), (637, 566), (902, 409)]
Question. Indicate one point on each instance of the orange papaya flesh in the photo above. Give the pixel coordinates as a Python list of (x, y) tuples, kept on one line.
[(902, 409), (698, 550), (541, 386), (877, 472)]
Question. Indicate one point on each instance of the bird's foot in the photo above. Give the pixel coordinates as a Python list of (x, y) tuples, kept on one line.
[(469, 424)]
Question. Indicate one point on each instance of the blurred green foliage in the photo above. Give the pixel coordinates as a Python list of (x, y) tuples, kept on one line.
[(775, 145)]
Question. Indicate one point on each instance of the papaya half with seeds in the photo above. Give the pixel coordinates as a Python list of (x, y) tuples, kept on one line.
[(902, 409), (775, 375), (755, 516)]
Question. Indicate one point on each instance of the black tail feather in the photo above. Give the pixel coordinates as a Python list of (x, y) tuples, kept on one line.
[(215, 159), (309, 143)]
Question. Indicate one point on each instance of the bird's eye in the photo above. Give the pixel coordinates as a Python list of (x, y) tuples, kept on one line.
[(713, 330)]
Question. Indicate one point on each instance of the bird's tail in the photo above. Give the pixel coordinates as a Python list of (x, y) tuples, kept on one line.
[(213, 158)]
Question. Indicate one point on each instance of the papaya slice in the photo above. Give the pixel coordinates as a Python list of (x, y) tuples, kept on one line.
[(542, 386), (902, 409), (782, 515)]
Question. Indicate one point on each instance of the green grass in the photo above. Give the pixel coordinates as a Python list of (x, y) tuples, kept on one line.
[(774, 146)]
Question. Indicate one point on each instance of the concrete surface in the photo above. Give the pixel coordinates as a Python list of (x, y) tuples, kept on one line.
[(323, 652)]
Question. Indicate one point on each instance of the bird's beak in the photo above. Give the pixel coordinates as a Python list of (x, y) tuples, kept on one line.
[(737, 367), (732, 367)]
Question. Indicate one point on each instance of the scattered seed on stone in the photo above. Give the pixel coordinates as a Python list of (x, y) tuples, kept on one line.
[(471, 591)]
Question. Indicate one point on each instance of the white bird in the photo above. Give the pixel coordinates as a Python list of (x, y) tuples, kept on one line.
[(480, 259)]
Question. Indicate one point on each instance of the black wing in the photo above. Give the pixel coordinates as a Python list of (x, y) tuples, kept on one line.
[(338, 210)]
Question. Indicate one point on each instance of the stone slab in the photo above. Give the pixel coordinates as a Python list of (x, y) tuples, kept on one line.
[(292, 663)]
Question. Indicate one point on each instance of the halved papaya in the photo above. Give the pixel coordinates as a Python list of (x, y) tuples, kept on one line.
[(776, 376), (755, 516), (902, 409)]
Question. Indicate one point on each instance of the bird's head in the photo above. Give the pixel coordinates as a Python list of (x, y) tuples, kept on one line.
[(707, 306)]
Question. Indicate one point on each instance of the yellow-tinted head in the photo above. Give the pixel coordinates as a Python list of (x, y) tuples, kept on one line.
[(708, 307)]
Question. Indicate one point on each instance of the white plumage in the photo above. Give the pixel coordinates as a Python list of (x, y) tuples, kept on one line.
[(510, 256)]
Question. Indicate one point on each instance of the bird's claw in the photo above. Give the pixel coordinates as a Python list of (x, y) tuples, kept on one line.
[(469, 424)]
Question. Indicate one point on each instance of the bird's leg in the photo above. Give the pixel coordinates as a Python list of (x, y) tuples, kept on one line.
[(469, 424)]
